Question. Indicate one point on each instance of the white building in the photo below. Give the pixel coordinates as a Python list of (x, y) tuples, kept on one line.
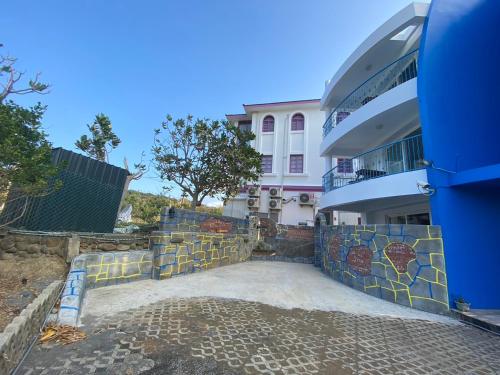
[(287, 135), (371, 137)]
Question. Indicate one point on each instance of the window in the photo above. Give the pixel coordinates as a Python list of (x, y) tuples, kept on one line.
[(344, 165), (245, 126), (296, 163), (268, 124), (298, 122), (267, 163)]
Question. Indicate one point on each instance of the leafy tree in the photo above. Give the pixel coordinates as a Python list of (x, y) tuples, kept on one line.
[(25, 153), (205, 157), (102, 139), (10, 78), (146, 207)]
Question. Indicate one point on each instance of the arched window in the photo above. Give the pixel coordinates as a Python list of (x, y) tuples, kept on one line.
[(268, 124), (298, 121)]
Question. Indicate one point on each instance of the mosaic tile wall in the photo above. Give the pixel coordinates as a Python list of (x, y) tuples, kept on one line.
[(400, 263), (100, 269), (191, 221), (185, 252)]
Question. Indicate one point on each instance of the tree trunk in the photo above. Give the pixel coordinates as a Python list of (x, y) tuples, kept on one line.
[(194, 201)]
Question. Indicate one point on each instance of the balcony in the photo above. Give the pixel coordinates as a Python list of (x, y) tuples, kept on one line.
[(401, 156), (393, 75)]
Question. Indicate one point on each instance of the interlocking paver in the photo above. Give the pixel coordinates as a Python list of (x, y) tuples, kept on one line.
[(223, 336)]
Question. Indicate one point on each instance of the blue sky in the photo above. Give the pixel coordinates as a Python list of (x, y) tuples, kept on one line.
[(136, 61)]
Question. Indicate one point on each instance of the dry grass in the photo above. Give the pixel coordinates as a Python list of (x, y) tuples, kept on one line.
[(26, 275), (62, 334)]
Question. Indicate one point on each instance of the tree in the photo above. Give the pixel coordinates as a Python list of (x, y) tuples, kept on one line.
[(10, 77), (102, 139), (25, 153), (146, 207), (205, 157)]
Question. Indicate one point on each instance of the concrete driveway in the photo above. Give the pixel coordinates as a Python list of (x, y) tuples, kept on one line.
[(283, 285)]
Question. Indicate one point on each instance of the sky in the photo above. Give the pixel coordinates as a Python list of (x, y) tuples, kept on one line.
[(137, 61)]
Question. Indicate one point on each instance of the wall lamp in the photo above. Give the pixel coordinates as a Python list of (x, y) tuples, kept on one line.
[(425, 188), (430, 164)]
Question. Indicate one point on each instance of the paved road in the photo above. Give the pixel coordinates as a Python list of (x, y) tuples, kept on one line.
[(214, 335)]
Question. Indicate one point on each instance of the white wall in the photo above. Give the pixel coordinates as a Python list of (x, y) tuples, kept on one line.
[(379, 217), (282, 143)]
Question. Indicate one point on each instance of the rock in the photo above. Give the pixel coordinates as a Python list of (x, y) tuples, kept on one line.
[(7, 243), (122, 247), (11, 250), (34, 248), (22, 246), (27, 294), (22, 254), (52, 250), (7, 256), (53, 242), (107, 246)]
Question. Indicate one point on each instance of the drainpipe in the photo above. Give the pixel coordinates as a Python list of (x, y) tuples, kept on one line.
[(283, 164)]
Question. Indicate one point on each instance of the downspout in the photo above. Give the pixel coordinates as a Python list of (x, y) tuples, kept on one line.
[(283, 164)]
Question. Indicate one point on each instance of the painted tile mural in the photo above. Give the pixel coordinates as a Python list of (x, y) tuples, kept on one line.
[(185, 252), (400, 263)]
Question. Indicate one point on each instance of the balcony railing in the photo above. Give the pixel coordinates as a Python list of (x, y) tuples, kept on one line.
[(401, 156), (395, 74)]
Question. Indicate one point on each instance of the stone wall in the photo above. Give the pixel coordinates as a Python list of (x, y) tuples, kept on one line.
[(400, 263), (191, 221), (25, 245), (185, 252), (113, 242), (17, 336), (285, 242), (34, 244)]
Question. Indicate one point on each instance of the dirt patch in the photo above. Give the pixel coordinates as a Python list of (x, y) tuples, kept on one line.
[(22, 280)]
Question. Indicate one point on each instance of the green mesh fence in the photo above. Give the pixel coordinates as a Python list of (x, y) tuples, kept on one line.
[(88, 200)]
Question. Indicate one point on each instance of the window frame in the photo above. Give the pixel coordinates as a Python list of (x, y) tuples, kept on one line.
[(303, 123), (292, 157), (264, 123), (342, 168), (271, 164)]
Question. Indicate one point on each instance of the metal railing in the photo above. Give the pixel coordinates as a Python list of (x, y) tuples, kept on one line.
[(393, 75), (401, 156)]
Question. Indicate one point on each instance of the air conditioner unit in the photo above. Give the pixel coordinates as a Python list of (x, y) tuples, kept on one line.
[(275, 192), (254, 191), (275, 203), (253, 202), (306, 199)]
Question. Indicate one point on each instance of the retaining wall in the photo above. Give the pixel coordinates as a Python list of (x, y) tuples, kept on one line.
[(34, 244), (17, 336), (97, 270), (289, 243), (181, 220), (400, 263), (184, 252)]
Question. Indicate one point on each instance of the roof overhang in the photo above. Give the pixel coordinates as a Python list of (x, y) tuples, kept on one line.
[(309, 103), (386, 44), (238, 117)]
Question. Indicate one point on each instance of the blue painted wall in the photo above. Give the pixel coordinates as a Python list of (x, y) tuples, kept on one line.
[(459, 86)]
